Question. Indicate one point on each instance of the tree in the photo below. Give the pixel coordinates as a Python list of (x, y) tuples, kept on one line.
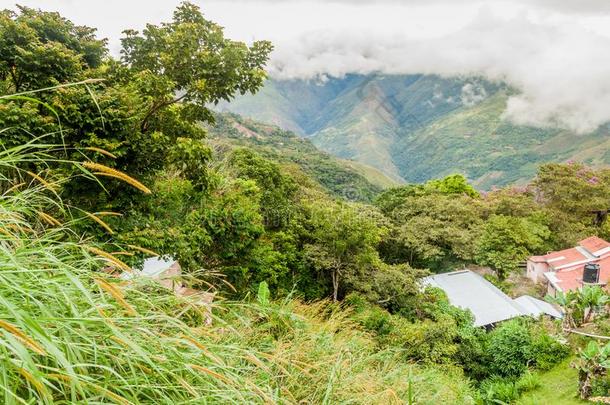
[(433, 230), (278, 189), (190, 60), (574, 194), (40, 49), (452, 184), (505, 241), (343, 241)]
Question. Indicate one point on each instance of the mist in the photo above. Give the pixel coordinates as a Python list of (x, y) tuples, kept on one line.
[(561, 72)]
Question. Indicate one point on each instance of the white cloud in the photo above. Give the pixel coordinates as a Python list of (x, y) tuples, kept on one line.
[(472, 93), (562, 71), (555, 52)]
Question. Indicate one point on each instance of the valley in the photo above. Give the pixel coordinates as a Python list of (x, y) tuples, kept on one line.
[(417, 127)]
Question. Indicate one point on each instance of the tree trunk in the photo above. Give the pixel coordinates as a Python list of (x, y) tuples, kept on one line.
[(335, 277), (584, 384)]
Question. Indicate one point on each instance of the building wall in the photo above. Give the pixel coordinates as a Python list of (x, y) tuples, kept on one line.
[(536, 270), (550, 290)]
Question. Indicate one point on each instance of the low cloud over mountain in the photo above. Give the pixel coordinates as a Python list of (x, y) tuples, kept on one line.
[(561, 72)]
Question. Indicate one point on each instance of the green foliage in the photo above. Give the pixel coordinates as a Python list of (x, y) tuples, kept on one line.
[(42, 49), (572, 192), (548, 351), (580, 306), (499, 390), (343, 243), (510, 348), (336, 176), (433, 230), (515, 345), (592, 365), (278, 190), (263, 293), (505, 241), (73, 334), (191, 57), (453, 184)]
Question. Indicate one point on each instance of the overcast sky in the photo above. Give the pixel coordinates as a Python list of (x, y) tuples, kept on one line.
[(556, 52)]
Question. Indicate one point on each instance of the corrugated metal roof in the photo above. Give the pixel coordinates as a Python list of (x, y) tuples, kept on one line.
[(468, 290), (535, 307), (152, 267)]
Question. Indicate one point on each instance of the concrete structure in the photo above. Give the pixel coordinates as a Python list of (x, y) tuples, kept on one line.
[(488, 304), (563, 270)]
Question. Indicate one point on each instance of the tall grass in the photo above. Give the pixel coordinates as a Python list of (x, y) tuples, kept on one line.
[(71, 333)]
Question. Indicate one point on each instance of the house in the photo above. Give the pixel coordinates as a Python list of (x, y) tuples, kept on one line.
[(588, 263), (488, 304), (167, 272)]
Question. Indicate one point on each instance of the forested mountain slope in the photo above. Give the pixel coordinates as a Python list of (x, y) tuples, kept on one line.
[(418, 127), (348, 179)]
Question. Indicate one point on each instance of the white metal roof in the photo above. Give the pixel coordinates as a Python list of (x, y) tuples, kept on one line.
[(152, 267), (468, 290), (535, 307)]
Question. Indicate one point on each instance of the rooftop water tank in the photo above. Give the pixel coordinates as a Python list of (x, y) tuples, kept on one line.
[(590, 273)]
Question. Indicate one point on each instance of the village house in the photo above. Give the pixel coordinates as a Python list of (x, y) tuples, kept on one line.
[(588, 263), (489, 305)]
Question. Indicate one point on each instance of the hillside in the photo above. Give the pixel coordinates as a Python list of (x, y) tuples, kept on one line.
[(418, 127), (344, 178)]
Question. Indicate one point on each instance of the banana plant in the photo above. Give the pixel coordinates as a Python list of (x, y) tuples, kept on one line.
[(593, 363)]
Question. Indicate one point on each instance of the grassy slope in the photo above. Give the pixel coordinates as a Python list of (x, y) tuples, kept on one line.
[(353, 180), (70, 333), (558, 386)]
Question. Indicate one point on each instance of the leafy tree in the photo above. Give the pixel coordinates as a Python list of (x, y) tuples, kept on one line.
[(509, 348), (190, 60), (433, 230), (41, 49), (453, 184), (343, 242), (278, 189), (573, 193), (505, 241), (391, 199), (393, 287)]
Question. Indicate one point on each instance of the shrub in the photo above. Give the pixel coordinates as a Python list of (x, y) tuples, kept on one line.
[(506, 390), (547, 350), (498, 390), (510, 349)]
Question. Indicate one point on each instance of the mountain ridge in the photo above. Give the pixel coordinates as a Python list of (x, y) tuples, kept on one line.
[(417, 127)]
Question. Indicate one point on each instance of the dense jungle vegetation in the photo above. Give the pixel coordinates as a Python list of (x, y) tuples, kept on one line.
[(105, 162)]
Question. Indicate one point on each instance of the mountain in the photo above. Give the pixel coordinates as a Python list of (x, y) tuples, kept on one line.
[(349, 179), (417, 127)]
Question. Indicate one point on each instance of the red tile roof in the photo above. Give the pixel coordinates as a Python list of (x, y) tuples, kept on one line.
[(594, 244), (562, 258), (567, 265)]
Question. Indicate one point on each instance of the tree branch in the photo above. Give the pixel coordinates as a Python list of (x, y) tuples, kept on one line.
[(157, 107), (588, 334)]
